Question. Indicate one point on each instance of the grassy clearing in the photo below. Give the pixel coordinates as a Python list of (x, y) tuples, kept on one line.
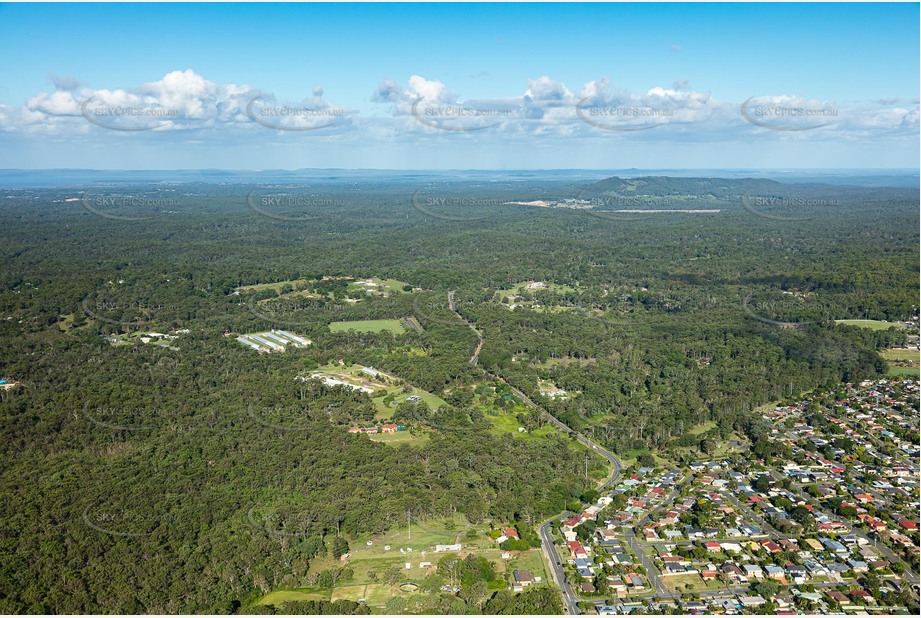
[(399, 437), (871, 324), (702, 428), (384, 386), (369, 563), (385, 411), (368, 326), (383, 287), (903, 362), (685, 583), (901, 355), (506, 422), (277, 597), (629, 457)]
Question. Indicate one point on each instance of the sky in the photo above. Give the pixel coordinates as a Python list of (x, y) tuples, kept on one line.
[(459, 86)]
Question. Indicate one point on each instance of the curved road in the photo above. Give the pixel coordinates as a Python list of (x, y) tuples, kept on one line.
[(570, 598)]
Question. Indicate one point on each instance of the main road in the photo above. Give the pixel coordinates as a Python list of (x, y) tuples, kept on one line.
[(570, 598)]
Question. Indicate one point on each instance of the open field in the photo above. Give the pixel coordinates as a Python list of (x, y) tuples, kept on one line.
[(871, 324), (506, 422), (905, 371), (903, 362), (383, 287), (127, 339), (368, 326), (399, 437), (384, 411), (383, 387), (681, 583), (369, 563), (901, 355), (702, 428), (512, 297), (276, 287), (358, 377), (277, 597)]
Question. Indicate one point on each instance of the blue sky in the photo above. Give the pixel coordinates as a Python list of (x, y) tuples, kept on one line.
[(512, 86)]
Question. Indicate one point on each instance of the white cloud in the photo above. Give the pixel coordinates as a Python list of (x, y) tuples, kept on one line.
[(544, 109)]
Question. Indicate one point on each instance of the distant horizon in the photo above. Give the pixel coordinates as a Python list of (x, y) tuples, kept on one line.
[(459, 169)]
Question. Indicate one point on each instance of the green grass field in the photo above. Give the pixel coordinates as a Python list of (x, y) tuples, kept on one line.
[(506, 422), (399, 437), (871, 324), (384, 412), (368, 326), (901, 355), (905, 371), (277, 597), (387, 286), (370, 562)]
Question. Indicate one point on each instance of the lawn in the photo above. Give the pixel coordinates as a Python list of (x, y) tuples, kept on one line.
[(902, 355), (277, 597), (871, 324), (399, 437), (531, 560), (384, 412), (680, 583), (368, 326), (507, 422), (702, 428), (370, 563), (902, 362), (905, 371), (381, 286)]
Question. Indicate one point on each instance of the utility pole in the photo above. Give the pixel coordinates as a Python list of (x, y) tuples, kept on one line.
[(409, 523), (586, 465)]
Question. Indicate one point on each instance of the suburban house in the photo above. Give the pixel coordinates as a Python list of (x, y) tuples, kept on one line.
[(523, 579)]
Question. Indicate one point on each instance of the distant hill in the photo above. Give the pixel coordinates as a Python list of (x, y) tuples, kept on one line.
[(718, 188)]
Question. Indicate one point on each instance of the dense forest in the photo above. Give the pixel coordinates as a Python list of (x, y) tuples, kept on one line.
[(196, 476)]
